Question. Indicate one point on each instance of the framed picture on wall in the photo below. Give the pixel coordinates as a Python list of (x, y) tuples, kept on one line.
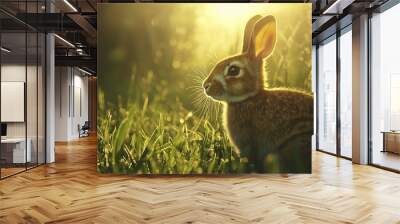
[(204, 88)]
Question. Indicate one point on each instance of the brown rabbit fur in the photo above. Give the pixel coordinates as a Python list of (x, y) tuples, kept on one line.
[(271, 127)]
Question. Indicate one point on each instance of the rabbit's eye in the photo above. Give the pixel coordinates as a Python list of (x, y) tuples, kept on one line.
[(233, 70)]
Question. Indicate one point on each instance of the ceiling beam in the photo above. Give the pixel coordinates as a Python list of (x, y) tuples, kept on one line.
[(84, 24), (49, 22), (338, 6), (78, 61)]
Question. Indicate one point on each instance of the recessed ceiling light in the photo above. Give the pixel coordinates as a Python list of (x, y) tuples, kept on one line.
[(70, 5), (64, 40), (84, 71), (337, 7), (5, 50)]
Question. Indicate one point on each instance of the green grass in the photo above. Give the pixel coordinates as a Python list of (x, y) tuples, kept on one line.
[(144, 139)]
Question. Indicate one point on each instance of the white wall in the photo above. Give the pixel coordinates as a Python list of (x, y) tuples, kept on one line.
[(81, 104), (13, 100), (62, 81), (12, 73), (71, 94), (16, 73)]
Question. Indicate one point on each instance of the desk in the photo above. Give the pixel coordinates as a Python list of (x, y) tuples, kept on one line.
[(13, 150), (391, 141)]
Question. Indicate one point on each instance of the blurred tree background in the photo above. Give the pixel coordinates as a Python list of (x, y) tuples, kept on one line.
[(151, 62)]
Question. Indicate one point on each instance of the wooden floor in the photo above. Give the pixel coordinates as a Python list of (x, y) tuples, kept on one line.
[(387, 159), (5, 172), (71, 191)]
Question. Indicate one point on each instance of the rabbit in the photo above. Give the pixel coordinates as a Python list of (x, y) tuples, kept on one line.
[(272, 128)]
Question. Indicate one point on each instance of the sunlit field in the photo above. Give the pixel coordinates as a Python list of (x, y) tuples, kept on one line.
[(143, 139), (153, 115)]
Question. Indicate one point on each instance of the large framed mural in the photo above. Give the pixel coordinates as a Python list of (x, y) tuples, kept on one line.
[(204, 88)]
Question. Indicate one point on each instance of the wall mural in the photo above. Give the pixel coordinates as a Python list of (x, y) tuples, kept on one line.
[(204, 88)]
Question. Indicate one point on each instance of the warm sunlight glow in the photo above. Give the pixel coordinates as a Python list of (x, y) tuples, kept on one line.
[(232, 14)]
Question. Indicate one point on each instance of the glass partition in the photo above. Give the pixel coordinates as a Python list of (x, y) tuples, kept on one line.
[(327, 96), (314, 90), (41, 96), (23, 91), (14, 153), (385, 89), (346, 93)]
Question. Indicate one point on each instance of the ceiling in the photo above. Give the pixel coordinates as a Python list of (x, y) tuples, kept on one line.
[(75, 23)]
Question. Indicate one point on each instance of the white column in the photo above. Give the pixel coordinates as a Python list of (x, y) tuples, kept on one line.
[(50, 94), (360, 89)]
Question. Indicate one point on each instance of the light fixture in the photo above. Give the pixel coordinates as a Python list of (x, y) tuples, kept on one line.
[(80, 51), (70, 5), (64, 40), (84, 71), (5, 50), (337, 7)]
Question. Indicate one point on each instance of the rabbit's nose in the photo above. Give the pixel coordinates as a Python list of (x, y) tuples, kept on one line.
[(207, 86)]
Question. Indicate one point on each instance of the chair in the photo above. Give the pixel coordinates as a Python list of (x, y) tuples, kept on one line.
[(84, 130)]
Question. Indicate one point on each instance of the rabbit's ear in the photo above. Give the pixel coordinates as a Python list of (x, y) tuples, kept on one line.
[(263, 38), (248, 32)]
